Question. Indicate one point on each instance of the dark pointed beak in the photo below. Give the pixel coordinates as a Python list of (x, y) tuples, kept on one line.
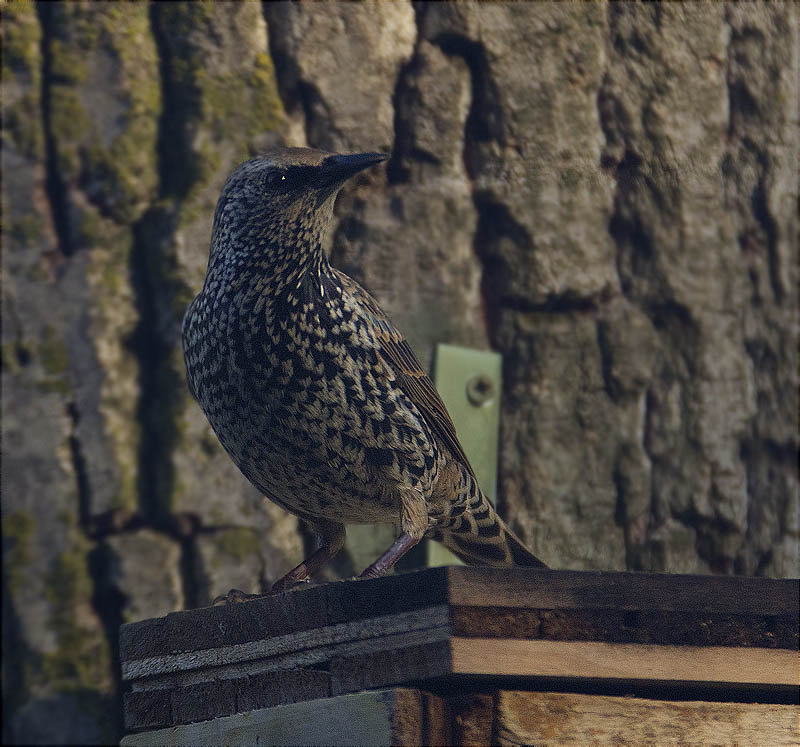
[(336, 170)]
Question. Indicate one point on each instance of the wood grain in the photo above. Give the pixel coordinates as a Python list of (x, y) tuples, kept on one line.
[(626, 626), (472, 719), (523, 588), (171, 706), (549, 589), (390, 667), (444, 626), (578, 719), (342, 635), (620, 661), (385, 717)]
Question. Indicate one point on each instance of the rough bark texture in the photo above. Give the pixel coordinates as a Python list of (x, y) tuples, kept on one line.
[(605, 194)]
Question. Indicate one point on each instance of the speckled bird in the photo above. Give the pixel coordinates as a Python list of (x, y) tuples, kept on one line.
[(310, 388)]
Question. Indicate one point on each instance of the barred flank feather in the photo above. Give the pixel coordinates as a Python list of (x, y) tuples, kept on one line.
[(490, 542)]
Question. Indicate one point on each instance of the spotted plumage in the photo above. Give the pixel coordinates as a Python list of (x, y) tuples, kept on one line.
[(311, 389)]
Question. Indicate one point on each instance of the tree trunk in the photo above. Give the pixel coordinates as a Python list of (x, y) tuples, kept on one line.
[(605, 194)]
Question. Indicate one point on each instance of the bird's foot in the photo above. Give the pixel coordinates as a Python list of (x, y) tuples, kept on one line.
[(234, 596)]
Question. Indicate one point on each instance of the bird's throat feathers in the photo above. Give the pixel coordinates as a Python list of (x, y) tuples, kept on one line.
[(284, 253)]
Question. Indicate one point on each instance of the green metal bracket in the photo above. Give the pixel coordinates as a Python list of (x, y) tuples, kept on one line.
[(470, 382)]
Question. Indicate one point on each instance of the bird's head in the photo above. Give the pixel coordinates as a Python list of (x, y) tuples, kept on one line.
[(278, 205)]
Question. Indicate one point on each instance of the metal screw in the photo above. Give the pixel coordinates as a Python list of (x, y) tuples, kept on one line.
[(480, 390)]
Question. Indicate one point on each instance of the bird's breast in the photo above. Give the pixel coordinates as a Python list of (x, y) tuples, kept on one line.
[(300, 398)]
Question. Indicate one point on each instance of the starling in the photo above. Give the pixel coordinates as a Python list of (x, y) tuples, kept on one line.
[(310, 388)]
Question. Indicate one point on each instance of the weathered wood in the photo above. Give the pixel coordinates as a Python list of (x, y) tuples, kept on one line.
[(344, 636), (767, 603), (385, 717), (449, 623), (626, 626), (574, 718), (549, 589), (304, 609), (170, 706), (472, 719), (226, 625), (587, 660), (390, 666)]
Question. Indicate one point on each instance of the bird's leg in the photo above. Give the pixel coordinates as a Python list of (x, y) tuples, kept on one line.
[(385, 562), (330, 537), (414, 522)]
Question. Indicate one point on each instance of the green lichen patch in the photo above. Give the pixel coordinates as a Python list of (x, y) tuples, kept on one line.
[(241, 103), (9, 360), (21, 39), (90, 228), (22, 78), (68, 61), (128, 169), (17, 537), (217, 101), (53, 356), (121, 175), (69, 123), (240, 543), (22, 125), (25, 232), (266, 109), (53, 352), (82, 657)]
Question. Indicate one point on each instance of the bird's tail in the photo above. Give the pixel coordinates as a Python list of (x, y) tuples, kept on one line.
[(478, 536)]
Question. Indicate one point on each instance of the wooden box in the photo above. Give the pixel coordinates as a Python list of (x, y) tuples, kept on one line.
[(490, 653)]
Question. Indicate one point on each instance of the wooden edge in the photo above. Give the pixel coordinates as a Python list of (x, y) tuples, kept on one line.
[(164, 707), (392, 666), (304, 609), (576, 718), (348, 601), (551, 589), (379, 717), (430, 622), (591, 660), (472, 719), (418, 717)]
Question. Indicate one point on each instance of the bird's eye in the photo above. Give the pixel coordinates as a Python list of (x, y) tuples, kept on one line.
[(276, 178)]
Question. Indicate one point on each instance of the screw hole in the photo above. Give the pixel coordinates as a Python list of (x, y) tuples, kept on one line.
[(480, 390)]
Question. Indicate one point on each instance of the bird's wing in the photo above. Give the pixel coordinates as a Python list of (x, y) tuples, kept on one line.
[(411, 377)]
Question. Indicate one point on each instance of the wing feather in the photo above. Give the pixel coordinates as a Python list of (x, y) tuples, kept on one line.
[(411, 377)]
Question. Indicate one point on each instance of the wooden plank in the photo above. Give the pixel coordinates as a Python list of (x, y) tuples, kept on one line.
[(572, 718), (359, 599), (388, 717), (304, 609), (377, 628), (621, 626), (224, 625), (619, 661), (389, 666), (472, 719), (549, 589), (449, 622), (417, 717), (171, 706), (329, 604)]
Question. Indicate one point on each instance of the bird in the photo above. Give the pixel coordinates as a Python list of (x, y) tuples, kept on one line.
[(311, 389)]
